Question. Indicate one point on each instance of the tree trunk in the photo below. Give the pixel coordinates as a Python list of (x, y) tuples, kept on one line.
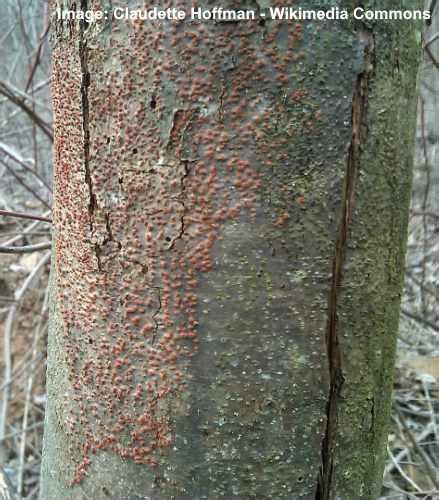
[(426, 182), (230, 220)]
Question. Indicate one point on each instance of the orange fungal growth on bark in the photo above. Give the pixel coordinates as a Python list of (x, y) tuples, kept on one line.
[(154, 154)]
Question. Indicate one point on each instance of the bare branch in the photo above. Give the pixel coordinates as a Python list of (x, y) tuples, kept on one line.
[(431, 56), (401, 471), (6, 489), (18, 178), (37, 56), (420, 320), (21, 215), (424, 214), (7, 92), (16, 157), (429, 467), (431, 40), (25, 232), (27, 249)]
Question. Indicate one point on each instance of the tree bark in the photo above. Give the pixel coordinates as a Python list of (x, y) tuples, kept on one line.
[(426, 180), (230, 220)]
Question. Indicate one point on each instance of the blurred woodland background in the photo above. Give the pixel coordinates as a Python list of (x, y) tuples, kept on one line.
[(26, 136)]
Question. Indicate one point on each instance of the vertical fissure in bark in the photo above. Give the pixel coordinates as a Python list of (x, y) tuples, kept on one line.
[(182, 201), (85, 83), (336, 378), (154, 317)]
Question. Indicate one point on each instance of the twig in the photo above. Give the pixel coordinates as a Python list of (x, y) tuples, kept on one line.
[(432, 7), (22, 215), (21, 367), (36, 425), (16, 157), (402, 454), (34, 492), (418, 283), (430, 54), (6, 489), (430, 469), (430, 41), (392, 486), (7, 92), (26, 249), (35, 450), (26, 231), (23, 95), (426, 214), (403, 474), (37, 55), (420, 320), (32, 233), (20, 180)]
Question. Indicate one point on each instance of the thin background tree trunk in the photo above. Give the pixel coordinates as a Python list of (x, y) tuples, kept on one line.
[(230, 221)]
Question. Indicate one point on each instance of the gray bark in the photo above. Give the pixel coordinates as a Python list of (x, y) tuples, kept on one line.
[(426, 180), (230, 222)]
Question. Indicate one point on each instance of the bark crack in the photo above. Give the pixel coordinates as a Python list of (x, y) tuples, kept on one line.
[(221, 104), (85, 83), (98, 252), (154, 316), (336, 378), (182, 201), (102, 247), (108, 228)]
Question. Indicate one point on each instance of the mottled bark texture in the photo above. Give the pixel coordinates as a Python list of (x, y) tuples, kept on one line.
[(230, 221)]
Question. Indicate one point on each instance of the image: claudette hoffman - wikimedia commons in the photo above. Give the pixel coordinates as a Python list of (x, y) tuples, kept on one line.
[(220, 14)]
